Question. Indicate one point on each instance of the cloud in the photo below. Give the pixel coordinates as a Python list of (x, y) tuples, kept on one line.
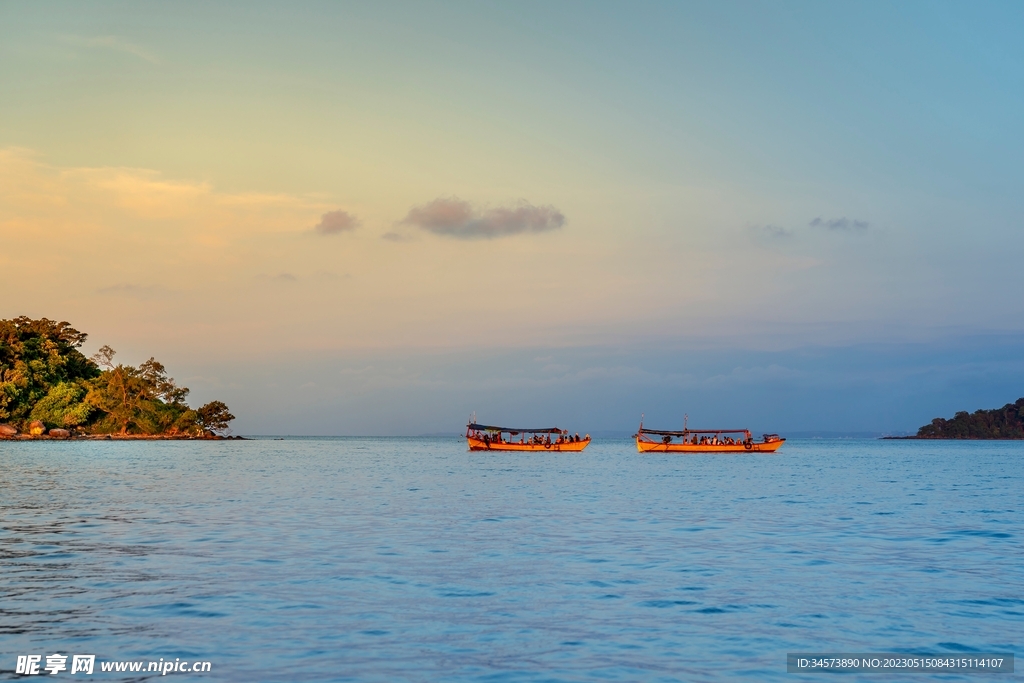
[(146, 194), (776, 231), (112, 43), (280, 277), (336, 222), (454, 217), (395, 237), (839, 224), (131, 291)]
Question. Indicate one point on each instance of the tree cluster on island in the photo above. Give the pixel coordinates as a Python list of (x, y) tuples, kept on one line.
[(1000, 423), (46, 383)]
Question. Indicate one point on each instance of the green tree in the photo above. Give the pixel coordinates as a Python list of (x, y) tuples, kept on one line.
[(120, 392), (63, 406), (1000, 423), (43, 376), (35, 357), (139, 400), (214, 416)]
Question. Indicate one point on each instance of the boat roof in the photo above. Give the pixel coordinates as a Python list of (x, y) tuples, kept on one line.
[(513, 430), (661, 432)]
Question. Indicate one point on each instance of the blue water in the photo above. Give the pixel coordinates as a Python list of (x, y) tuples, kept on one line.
[(414, 560)]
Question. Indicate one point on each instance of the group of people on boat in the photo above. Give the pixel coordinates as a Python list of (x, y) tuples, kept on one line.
[(535, 439), (710, 441), (483, 437)]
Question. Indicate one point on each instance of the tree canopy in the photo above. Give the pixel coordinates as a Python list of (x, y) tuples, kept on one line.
[(43, 376), (1001, 423)]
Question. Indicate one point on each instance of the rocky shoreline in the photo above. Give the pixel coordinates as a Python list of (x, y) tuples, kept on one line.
[(120, 437), (38, 432)]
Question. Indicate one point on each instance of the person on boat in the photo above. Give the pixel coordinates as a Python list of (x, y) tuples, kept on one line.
[(577, 437)]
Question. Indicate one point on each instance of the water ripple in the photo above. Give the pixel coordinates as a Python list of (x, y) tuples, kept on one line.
[(405, 559)]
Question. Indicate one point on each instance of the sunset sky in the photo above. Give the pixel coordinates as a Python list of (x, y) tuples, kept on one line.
[(375, 218)]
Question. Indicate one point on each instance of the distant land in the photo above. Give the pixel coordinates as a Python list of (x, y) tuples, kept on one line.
[(999, 423), (50, 390)]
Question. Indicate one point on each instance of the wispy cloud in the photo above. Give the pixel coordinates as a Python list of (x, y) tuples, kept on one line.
[(454, 217), (843, 223), (395, 237), (112, 43), (336, 222), (280, 277), (774, 231), (130, 291)]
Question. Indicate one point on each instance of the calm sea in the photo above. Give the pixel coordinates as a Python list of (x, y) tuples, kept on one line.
[(376, 559)]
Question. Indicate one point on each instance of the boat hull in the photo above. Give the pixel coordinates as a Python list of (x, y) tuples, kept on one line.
[(645, 446), (481, 445)]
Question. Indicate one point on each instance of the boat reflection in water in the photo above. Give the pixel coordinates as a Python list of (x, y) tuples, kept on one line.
[(491, 438), (704, 441)]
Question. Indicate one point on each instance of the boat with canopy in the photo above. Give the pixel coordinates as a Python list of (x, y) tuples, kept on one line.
[(491, 438), (704, 441)]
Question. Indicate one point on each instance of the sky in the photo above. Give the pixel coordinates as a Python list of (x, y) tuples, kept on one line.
[(377, 218)]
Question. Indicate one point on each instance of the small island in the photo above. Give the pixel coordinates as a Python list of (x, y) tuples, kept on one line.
[(50, 390), (999, 423)]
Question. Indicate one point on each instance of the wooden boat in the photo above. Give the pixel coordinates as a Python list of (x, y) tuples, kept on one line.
[(703, 441), (489, 438)]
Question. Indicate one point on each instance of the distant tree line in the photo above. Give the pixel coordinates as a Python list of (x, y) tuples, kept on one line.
[(44, 377), (1001, 423)]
